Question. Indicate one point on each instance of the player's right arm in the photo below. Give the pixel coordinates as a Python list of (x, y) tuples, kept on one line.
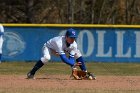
[(70, 61), (56, 44)]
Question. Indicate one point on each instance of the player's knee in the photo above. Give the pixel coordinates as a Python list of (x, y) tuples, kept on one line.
[(45, 59)]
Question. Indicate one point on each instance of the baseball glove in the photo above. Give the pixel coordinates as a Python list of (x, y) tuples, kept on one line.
[(82, 75)]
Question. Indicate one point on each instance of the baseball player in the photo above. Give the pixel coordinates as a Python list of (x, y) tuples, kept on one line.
[(1, 39), (61, 46)]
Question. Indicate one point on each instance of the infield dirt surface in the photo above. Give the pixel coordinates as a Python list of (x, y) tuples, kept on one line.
[(64, 82)]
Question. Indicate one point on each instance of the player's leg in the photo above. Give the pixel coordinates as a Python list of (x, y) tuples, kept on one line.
[(79, 58), (46, 57)]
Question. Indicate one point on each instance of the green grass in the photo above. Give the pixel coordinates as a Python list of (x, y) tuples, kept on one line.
[(121, 69)]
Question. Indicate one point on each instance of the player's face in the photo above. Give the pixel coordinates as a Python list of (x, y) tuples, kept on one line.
[(70, 40)]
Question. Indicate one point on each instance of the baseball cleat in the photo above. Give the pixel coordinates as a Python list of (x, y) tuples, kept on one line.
[(30, 76), (91, 76)]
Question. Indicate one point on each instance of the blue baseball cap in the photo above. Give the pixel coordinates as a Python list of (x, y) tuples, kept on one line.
[(71, 33)]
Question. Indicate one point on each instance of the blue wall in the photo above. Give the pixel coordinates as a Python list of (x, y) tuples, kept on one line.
[(96, 44)]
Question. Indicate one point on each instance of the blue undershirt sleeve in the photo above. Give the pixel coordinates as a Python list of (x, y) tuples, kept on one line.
[(70, 61)]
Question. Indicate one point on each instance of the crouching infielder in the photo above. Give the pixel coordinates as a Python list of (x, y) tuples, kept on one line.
[(61, 46)]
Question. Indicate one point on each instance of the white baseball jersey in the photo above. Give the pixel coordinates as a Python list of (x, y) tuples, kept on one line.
[(59, 45), (1, 28), (1, 38)]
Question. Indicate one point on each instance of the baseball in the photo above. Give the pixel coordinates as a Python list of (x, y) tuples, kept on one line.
[(90, 77)]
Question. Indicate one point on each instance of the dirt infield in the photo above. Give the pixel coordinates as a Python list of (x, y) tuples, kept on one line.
[(64, 82)]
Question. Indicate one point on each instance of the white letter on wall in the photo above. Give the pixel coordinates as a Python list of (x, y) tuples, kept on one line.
[(120, 47), (137, 44)]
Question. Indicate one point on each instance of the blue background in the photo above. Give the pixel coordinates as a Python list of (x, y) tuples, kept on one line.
[(33, 39)]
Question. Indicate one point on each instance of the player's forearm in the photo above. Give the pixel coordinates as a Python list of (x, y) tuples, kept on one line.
[(69, 61)]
